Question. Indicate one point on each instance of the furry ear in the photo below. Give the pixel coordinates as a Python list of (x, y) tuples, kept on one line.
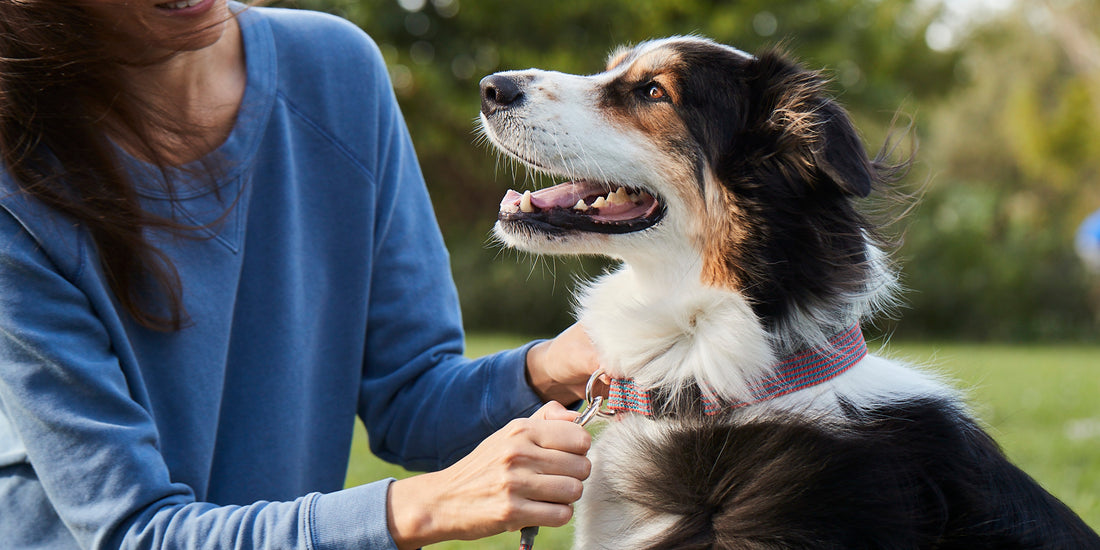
[(839, 154), (816, 131)]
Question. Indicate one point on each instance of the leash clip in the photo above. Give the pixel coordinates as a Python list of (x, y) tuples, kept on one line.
[(593, 403)]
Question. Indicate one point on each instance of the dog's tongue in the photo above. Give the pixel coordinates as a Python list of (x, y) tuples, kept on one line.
[(563, 195)]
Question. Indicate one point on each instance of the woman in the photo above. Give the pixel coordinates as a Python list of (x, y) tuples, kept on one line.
[(216, 248)]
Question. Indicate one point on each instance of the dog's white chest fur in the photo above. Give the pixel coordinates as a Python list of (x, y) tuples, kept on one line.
[(671, 332)]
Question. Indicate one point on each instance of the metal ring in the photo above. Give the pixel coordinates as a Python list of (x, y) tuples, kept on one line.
[(595, 402), (591, 382)]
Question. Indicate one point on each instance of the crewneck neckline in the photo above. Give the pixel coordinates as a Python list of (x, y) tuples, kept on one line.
[(233, 156)]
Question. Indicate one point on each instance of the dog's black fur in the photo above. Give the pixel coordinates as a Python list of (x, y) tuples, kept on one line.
[(910, 476)]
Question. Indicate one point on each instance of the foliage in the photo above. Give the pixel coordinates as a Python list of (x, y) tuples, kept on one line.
[(1016, 157), (1010, 145)]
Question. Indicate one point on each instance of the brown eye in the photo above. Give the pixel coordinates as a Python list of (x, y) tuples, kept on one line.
[(655, 92)]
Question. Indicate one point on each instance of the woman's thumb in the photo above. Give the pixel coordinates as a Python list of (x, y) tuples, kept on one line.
[(554, 411)]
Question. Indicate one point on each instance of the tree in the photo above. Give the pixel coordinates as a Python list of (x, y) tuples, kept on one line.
[(1016, 152)]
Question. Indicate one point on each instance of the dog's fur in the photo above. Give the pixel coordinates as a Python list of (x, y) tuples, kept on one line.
[(742, 246)]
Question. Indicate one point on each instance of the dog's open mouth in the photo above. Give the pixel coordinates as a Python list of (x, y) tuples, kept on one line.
[(583, 205)]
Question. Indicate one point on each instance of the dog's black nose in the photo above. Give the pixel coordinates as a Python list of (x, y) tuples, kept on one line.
[(498, 92)]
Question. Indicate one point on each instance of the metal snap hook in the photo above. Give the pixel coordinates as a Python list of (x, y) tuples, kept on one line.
[(594, 403)]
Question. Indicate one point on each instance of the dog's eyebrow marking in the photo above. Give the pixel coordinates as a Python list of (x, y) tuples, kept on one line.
[(625, 55), (661, 65), (656, 61), (618, 56)]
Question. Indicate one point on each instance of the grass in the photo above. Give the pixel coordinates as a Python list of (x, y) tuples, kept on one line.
[(1042, 403)]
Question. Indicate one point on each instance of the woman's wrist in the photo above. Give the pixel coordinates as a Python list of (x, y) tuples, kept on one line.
[(408, 513), (539, 378)]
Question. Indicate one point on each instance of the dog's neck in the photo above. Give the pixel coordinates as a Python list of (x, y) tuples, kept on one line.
[(656, 322), (663, 328)]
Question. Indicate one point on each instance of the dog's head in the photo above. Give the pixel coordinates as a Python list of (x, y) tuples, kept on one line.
[(738, 166)]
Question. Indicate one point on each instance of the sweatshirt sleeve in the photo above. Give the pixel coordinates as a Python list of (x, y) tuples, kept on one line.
[(424, 405), (74, 434)]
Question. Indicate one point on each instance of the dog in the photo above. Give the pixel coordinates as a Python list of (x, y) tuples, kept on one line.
[(748, 412)]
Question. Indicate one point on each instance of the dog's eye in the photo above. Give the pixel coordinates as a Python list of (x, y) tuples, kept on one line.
[(655, 91)]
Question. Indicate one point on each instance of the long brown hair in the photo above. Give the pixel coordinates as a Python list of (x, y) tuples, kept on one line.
[(61, 96)]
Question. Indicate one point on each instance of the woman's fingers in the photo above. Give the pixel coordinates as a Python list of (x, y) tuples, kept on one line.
[(554, 411), (559, 489), (559, 463), (560, 433), (527, 473), (544, 514)]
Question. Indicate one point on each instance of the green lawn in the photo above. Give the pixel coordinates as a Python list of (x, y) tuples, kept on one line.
[(1041, 402)]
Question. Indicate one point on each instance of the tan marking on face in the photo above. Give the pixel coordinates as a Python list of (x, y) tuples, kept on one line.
[(655, 61), (658, 120), (716, 234), (661, 66), (618, 56), (719, 235)]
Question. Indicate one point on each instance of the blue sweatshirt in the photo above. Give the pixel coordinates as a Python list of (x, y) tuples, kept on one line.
[(325, 292)]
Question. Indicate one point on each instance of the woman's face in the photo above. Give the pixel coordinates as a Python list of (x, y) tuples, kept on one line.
[(153, 27)]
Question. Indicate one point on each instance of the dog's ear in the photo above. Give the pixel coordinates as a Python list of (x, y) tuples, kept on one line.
[(839, 154), (814, 131)]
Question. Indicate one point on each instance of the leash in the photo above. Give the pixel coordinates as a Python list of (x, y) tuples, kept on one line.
[(590, 411), (527, 537), (797, 372)]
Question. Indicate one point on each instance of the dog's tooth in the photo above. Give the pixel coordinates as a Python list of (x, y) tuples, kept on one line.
[(618, 197), (600, 203), (580, 205), (525, 203)]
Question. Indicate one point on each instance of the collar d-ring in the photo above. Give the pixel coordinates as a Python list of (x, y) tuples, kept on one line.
[(594, 403)]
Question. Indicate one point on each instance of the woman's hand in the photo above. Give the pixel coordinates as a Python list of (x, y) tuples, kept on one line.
[(527, 473), (558, 369)]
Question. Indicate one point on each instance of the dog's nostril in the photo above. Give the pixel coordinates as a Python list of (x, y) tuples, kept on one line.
[(498, 91)]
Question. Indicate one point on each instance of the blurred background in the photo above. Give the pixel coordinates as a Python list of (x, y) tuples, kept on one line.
[(1004, 95)]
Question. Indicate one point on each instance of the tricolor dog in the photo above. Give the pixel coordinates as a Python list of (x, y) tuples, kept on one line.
[(749, 414)]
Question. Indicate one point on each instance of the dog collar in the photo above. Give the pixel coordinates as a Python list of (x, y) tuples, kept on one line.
[(800, 371)]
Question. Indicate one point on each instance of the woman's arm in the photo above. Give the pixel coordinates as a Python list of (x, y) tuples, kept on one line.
[(80, 444), (424, 404)]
